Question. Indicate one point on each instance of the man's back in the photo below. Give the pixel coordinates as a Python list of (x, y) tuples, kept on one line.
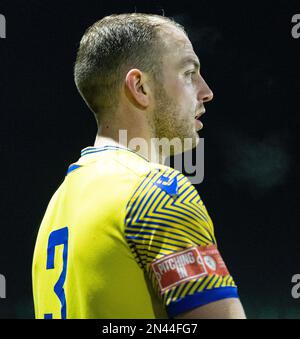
[(101, 245)]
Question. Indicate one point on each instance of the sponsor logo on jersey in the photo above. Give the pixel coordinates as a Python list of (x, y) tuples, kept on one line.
[(169, 185)]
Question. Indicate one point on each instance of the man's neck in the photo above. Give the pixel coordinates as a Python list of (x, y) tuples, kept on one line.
[(145, 150), (105, 141)]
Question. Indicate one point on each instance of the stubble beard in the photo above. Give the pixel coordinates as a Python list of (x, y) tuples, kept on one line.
[(166, 122)]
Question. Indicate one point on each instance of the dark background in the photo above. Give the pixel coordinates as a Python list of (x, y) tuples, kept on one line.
[(252, 64)]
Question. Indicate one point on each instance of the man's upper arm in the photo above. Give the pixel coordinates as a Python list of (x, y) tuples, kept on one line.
[(172, 238), (230, 308)]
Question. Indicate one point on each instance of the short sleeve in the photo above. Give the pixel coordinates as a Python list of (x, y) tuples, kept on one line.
[(171, 235)]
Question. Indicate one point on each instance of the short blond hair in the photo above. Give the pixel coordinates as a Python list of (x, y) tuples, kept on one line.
[(109, 48)]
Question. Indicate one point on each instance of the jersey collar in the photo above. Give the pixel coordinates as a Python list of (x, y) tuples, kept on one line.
[(90, 150)]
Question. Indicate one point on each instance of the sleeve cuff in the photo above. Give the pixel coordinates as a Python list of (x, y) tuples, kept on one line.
[(200, 299)]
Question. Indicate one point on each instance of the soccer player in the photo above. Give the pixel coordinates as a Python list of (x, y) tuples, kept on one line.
[(125, 236)]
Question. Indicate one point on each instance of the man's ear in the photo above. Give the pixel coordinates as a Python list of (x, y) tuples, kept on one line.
[(137, 88)]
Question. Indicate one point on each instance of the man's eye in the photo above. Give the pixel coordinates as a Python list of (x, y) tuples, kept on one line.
[(190, 74)]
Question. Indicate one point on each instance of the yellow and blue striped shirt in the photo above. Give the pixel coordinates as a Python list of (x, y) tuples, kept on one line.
[(117, 235)]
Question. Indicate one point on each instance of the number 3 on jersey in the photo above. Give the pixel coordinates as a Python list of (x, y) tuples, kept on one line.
[(56, 238)]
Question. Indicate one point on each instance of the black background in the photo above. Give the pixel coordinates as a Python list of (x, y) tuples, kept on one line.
[(250, 60)]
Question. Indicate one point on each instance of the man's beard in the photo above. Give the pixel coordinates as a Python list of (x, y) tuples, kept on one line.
[(166, 122)]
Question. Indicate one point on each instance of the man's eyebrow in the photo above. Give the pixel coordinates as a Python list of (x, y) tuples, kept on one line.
[(190, 60)]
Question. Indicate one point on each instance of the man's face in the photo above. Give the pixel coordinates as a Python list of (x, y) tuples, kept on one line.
[(183, 92)]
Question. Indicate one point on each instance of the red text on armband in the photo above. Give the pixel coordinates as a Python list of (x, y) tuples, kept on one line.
[(192, 263)]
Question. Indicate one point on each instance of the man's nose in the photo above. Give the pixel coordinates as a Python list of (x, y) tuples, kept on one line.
[(205, 93)]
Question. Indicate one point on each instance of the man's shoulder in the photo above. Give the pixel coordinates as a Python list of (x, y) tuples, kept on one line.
[(121, 163), (123, 171), (141, 169)]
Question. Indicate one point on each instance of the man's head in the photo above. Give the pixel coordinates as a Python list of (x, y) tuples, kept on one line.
[(146, 63)]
